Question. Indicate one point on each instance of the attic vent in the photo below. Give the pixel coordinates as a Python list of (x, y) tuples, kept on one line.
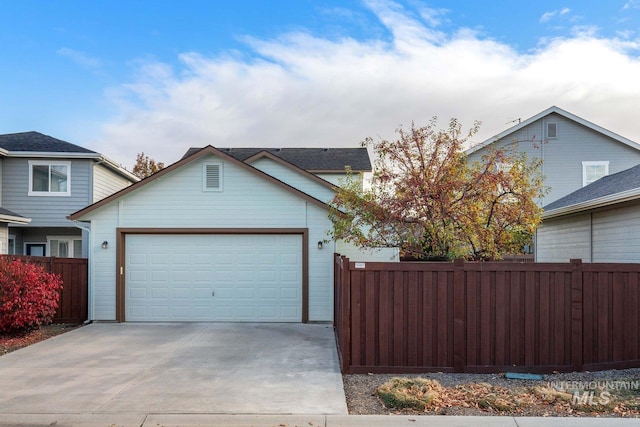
[(552, 130), (212, 177)]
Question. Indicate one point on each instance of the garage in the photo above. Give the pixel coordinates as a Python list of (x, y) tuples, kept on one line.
[(213, 277)]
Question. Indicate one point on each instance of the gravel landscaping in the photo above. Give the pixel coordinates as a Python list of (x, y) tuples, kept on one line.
[(623, 385)]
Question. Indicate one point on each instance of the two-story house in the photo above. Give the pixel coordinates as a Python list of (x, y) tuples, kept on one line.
[(574, 151), (42, 180)]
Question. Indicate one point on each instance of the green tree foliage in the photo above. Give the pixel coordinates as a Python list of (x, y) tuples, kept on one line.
[(429, 200)]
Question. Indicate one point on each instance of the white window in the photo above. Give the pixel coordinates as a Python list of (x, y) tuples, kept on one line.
[(64, 246), (552, 130), (212, 177), (593, 171), (49, 178)]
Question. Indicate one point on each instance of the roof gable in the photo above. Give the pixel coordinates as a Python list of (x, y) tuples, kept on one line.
[(309, 159), (560, 112), (268, 155), (186, 160)]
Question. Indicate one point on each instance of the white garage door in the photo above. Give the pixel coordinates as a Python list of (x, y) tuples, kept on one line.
[(217, 277)]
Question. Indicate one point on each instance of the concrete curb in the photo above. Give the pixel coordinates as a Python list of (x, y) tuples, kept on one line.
[(258, 420)]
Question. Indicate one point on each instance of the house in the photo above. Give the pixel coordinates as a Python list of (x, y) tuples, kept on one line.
[(574, 151), (220, 235), (42, 179), (597, 223)]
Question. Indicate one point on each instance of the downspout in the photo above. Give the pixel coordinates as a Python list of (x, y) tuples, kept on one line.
[(90, 307), (591, 236)]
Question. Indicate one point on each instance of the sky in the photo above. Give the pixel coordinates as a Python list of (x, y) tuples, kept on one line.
[(159, 76)]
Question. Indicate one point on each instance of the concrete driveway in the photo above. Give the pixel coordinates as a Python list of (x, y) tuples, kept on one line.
[(177, 368)]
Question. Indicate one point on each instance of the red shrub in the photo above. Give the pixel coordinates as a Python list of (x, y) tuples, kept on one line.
[(28, 295)]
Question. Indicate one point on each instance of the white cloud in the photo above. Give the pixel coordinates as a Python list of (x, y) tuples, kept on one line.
[(547, 16), (80, 58), (632, 4), (304, 90)]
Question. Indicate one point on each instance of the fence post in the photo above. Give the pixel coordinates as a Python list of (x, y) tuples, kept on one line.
[(459, 335), (346, 314), (577, 324)]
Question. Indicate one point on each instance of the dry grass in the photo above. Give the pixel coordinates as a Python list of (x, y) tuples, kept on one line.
[(428, 396)]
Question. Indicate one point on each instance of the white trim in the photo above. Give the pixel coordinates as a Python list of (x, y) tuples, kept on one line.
[(49, 163), (92, 156), (611, 199), (593, 163), (14, 219), (67, 238), (220, 176), (560, 112)]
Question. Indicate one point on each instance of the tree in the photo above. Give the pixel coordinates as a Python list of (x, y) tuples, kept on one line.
[(145, 166), (429, 200)]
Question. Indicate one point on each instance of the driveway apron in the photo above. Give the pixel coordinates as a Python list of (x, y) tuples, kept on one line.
[(250, 368)]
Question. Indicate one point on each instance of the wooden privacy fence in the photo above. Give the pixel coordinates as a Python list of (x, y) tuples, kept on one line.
[(73, 296), (486, 317)]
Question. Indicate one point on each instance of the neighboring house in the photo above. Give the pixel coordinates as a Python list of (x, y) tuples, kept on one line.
[(218, 236), (7, 217), (597, 223), (574, 151), (44, 179)]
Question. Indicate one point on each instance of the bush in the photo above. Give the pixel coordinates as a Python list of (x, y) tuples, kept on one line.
[(28, 295)]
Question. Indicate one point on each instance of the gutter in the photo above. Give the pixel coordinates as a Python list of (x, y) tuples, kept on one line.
[(14, 219), (95, 156), (611, 199)]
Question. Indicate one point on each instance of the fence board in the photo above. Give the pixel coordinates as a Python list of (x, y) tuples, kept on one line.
[(486, 317)]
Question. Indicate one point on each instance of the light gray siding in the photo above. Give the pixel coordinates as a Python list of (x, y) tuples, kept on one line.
[(562, 157), (616, 234), (608, 235), (106, 182), (559, 240), (44, 211), (178, 201), (1, 181)]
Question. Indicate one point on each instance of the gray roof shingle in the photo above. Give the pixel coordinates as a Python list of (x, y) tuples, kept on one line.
[(37, 142), (310, 159), (628, 179)]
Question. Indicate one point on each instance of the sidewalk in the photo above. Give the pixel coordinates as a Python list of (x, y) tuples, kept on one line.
[(215, 420)]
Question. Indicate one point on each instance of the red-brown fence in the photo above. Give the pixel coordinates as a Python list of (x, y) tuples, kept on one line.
[(73, 296), (486, 317)]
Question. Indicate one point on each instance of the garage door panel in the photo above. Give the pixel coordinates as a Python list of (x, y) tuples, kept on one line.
[(252, 277)]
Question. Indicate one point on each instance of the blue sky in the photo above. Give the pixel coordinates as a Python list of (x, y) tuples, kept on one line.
[(159, 76)]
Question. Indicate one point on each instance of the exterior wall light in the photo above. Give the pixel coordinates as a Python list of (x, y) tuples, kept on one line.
[(105, 244), (320, 244)]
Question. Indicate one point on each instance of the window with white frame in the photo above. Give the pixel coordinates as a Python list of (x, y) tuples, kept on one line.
[(49, 178), (64, 246), (552, 130), (593, 171)]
